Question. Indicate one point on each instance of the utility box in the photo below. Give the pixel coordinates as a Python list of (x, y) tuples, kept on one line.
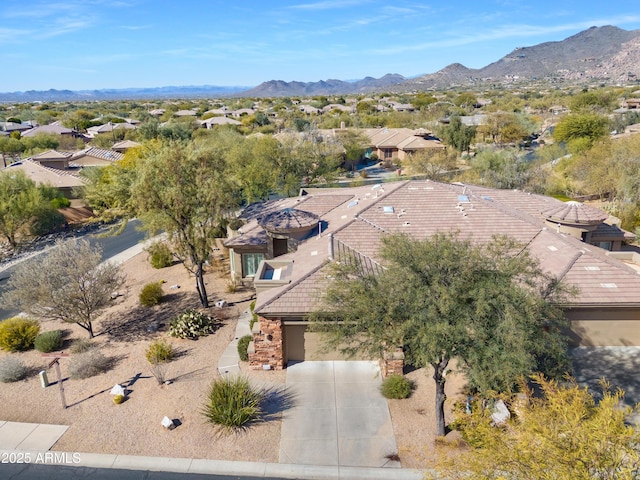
[(44, 381)]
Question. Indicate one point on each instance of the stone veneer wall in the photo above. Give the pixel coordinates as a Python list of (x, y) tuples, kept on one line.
[(392, 363), (268, 345)]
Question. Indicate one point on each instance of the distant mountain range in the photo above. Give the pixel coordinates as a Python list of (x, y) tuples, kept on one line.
[(606, 54), (203, 91)]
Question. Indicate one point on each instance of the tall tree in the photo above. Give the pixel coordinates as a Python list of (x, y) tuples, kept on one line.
[(443, 298), (69, 283), (562, 434), (21, 204), (185, 190), (458, 135)]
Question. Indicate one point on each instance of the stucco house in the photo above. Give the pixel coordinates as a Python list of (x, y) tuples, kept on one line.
[(284, 246), (95, 157), (400, 143)]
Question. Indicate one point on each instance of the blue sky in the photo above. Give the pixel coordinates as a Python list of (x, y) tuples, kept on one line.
[(87, 44)]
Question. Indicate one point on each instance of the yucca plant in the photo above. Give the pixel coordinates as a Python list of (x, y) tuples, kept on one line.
[(232, 403)]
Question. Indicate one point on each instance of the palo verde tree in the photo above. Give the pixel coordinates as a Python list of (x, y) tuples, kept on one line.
[(488, 306), (68, 283), (185, 190), (562, 433)]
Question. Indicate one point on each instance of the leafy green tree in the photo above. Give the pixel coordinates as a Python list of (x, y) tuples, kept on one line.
[(442, 298), (581, 127), (458, 135), (185, 190), (10, 149), (69, 283), (23, 205), (436, 164), (467, 100), (563, 434)]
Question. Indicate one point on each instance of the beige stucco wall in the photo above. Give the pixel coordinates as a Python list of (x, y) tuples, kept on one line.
[(605, 327)]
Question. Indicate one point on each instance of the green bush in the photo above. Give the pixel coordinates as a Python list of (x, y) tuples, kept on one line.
[(18, 334), (191, 324), (160, 351), (81, 345), (60, 202), (12, 369), (160, 255), (254, 315), (232, 403), (396, 386), (48, 341), (243, 344), (151, 294), (88, 364)]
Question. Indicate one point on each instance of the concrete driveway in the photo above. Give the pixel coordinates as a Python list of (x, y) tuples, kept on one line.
[(338, 418)]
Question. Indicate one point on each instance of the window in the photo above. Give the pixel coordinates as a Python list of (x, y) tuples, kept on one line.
[(388, 153), (250, 262)]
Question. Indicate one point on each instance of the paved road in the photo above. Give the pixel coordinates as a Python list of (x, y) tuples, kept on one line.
[(55, 472), (111, 246)]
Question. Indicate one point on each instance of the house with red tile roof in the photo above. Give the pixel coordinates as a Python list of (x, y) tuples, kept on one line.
[(284, 247)]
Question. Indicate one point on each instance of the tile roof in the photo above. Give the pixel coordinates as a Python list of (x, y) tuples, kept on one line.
[(95, 152), (46, 175), (422, 208)]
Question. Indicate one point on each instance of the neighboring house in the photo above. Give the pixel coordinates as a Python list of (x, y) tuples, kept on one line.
[(108, 127), (53, 159), (241, 112), (210, 122), (631, 103), (400, 143), (185, 113), (157, 112), (10, 127), (340, 107), (286, 245), (94, 157), (309, 110), (123, 146), (64, 180), (52, 129), (401, 107)]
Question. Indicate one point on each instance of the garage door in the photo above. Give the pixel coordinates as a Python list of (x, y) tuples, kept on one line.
[(302, 345)]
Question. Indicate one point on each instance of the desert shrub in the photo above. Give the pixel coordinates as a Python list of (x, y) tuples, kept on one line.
[(48, 341), (232, 402), (243, 344), (254, 315), (159, 351), (118, 399), (191, 324), (81, 345), (88, 364), (151, 294), (160, 255), (396, 386), (12, 369), (232, 287), (18, 334)]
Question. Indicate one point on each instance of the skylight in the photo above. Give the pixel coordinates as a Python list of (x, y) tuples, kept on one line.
[(352, 203), (608, 285), (463, 199), (552, 248), (592, 268), (388, 209)]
